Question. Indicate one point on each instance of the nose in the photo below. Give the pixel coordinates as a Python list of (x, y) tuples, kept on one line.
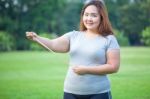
[(89, 18)]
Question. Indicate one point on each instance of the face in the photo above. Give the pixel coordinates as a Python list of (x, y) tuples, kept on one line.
[(91, 18)]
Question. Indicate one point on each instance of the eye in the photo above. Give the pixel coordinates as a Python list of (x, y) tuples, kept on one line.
[(94, 15), (85, 14)]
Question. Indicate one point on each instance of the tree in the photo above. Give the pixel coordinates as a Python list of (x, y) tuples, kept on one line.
[(135, 17), (129, 16), (18, 16), (114, 7)]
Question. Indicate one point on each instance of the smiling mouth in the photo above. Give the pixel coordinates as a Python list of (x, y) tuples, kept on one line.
[(89, 23)]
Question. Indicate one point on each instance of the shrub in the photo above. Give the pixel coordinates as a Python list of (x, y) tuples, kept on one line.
[(6, 41), (146, 36), (122, 39)]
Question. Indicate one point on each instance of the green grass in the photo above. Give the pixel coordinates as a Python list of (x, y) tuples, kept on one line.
[(40, 75)]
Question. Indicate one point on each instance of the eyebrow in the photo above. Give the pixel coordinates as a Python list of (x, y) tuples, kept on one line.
[(90, 13)]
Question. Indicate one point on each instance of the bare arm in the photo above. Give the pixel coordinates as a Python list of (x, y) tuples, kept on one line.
[(112, 65), (60, 44)]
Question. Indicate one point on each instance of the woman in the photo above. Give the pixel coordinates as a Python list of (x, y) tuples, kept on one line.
[(94, 53)]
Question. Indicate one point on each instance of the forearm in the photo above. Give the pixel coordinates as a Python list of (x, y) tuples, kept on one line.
[(60, 44), (102, 69), (96, 70), (45, 42)]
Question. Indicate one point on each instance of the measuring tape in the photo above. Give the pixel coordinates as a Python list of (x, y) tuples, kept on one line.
[(44, 45)]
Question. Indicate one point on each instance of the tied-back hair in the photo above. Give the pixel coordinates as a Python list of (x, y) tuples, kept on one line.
[(105, 27)]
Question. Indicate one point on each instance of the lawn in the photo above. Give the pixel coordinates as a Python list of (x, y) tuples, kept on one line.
[(40, 75)]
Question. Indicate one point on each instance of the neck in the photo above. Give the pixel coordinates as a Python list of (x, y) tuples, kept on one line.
[(92, 32)]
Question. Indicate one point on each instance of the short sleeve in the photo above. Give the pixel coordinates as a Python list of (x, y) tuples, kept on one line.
[(112, 43), (69, 34)]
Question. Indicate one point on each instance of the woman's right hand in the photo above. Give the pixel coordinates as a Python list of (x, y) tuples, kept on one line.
[(31, 35)]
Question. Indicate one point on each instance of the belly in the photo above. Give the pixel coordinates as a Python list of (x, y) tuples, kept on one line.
[(88, 84)]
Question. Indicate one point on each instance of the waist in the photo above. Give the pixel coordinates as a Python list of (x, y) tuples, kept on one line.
[(86, 83)]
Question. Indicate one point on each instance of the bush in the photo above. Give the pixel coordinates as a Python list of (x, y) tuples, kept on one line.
[(6, 42), (122, 39), (35, 46), (146, 36)]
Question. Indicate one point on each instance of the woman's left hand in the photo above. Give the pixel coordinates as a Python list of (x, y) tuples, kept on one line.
[(80, 70)]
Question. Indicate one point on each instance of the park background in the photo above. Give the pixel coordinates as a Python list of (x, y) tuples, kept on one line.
[(28, 71)]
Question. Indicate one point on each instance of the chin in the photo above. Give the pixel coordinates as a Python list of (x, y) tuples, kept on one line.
[(90, 28)]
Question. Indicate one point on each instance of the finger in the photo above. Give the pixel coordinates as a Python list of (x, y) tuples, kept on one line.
[(29, 37), (74, 69), (28, 34)]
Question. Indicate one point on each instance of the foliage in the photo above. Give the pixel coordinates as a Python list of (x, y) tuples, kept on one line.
[(113, 7), (60, 16), (122, 39), (6, 41), (19, 16), (136, 19), (130, 16), (49, 16), (146, 36), (72, 16)]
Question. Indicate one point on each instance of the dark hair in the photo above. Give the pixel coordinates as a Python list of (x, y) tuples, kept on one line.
[(105, 27)]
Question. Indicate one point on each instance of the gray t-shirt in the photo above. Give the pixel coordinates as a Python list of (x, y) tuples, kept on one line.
[(88, 52)]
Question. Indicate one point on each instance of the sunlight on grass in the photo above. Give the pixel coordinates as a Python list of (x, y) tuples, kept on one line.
[(40, 75)]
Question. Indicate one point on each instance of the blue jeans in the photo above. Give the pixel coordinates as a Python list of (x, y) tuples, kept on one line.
[(106, 95)]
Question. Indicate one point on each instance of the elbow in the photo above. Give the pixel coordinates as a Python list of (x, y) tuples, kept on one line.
[(115, 68)]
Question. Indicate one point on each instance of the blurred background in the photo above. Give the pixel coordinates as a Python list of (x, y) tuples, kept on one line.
[(27, 71), (51, 18)]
